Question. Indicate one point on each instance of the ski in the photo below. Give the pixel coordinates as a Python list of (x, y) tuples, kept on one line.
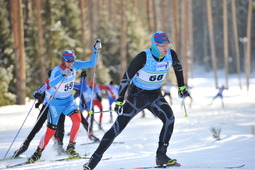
[(21, 164), (11, 157), (153, 167), (56, 160), (89, 143), (82, 157), (150, 167), (233, 167)]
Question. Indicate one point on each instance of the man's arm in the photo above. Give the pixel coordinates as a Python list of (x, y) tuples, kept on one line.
[(177, 69), (135, 65)]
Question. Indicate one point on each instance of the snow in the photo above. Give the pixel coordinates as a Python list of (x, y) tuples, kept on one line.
[(191, 144)]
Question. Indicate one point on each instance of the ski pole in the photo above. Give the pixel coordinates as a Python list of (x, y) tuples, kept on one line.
[(93, 88), (104, 111), (19, 129), (185, 115)]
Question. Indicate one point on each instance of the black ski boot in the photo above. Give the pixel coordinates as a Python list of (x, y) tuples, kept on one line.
[(70, 150), (21, 150), (36, 156), (162, 159), (92, 163)]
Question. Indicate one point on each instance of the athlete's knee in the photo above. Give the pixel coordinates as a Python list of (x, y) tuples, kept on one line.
[(171, 119), (76, 117), (51, 126)]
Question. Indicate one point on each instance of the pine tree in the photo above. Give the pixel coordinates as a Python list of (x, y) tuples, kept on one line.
[(6, 58)]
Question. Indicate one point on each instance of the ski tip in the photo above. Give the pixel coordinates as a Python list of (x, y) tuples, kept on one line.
[(233, 167)]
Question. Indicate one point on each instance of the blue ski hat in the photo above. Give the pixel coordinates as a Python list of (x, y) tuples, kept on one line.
[(69, 55), (158, 37)]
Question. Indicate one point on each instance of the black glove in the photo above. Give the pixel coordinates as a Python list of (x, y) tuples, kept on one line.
[(37, 105), (119, 106), (38, 96), (84, 74), (182, 92)]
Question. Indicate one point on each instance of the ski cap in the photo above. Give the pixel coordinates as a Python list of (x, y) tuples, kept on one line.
[(160, 37), (69, 56)]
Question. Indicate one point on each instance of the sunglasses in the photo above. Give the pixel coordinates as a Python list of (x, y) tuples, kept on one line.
[(69, 61), (162, 44)]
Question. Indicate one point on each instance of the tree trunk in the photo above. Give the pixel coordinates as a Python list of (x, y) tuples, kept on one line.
[(149, 15), (211, 36), (18, 36), (184, 39), (190, 34), (248, 47), (83, 25), (233, 6), (91, 33), (123, 46), (175, 37), (164, 16), (41, 47), (225, 39), (155, 19)]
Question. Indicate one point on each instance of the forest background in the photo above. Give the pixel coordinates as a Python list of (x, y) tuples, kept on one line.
[(212, 34)]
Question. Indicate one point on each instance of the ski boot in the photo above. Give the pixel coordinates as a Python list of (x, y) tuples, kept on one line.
[(36, 156), (85, 167), (70, 150), (92, 163), (21, 150), (163, 160), (93, 138)]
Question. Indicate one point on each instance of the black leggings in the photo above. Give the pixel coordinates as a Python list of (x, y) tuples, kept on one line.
[(137, 101), (40, 121)]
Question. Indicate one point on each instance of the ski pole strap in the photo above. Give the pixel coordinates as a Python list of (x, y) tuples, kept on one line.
[(120, 104), (120, 107), (181, 88)]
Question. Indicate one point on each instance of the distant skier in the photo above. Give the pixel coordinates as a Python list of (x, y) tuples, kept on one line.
[(219, 94), (97, 99), (112, 98)]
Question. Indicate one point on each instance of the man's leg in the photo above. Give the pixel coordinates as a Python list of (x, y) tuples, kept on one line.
[(50, 131), (161, 108), (76, 121)]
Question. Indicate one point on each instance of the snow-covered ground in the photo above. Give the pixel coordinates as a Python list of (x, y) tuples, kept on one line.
[(192, 143)]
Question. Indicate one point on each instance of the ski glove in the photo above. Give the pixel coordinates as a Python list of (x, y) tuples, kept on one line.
[(97, 46), (119, 106), (84, 74), (37, 96), (182, 92), (67, 71)]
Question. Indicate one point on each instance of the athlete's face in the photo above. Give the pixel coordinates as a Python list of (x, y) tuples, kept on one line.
[(163, 48), (69, 64)]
